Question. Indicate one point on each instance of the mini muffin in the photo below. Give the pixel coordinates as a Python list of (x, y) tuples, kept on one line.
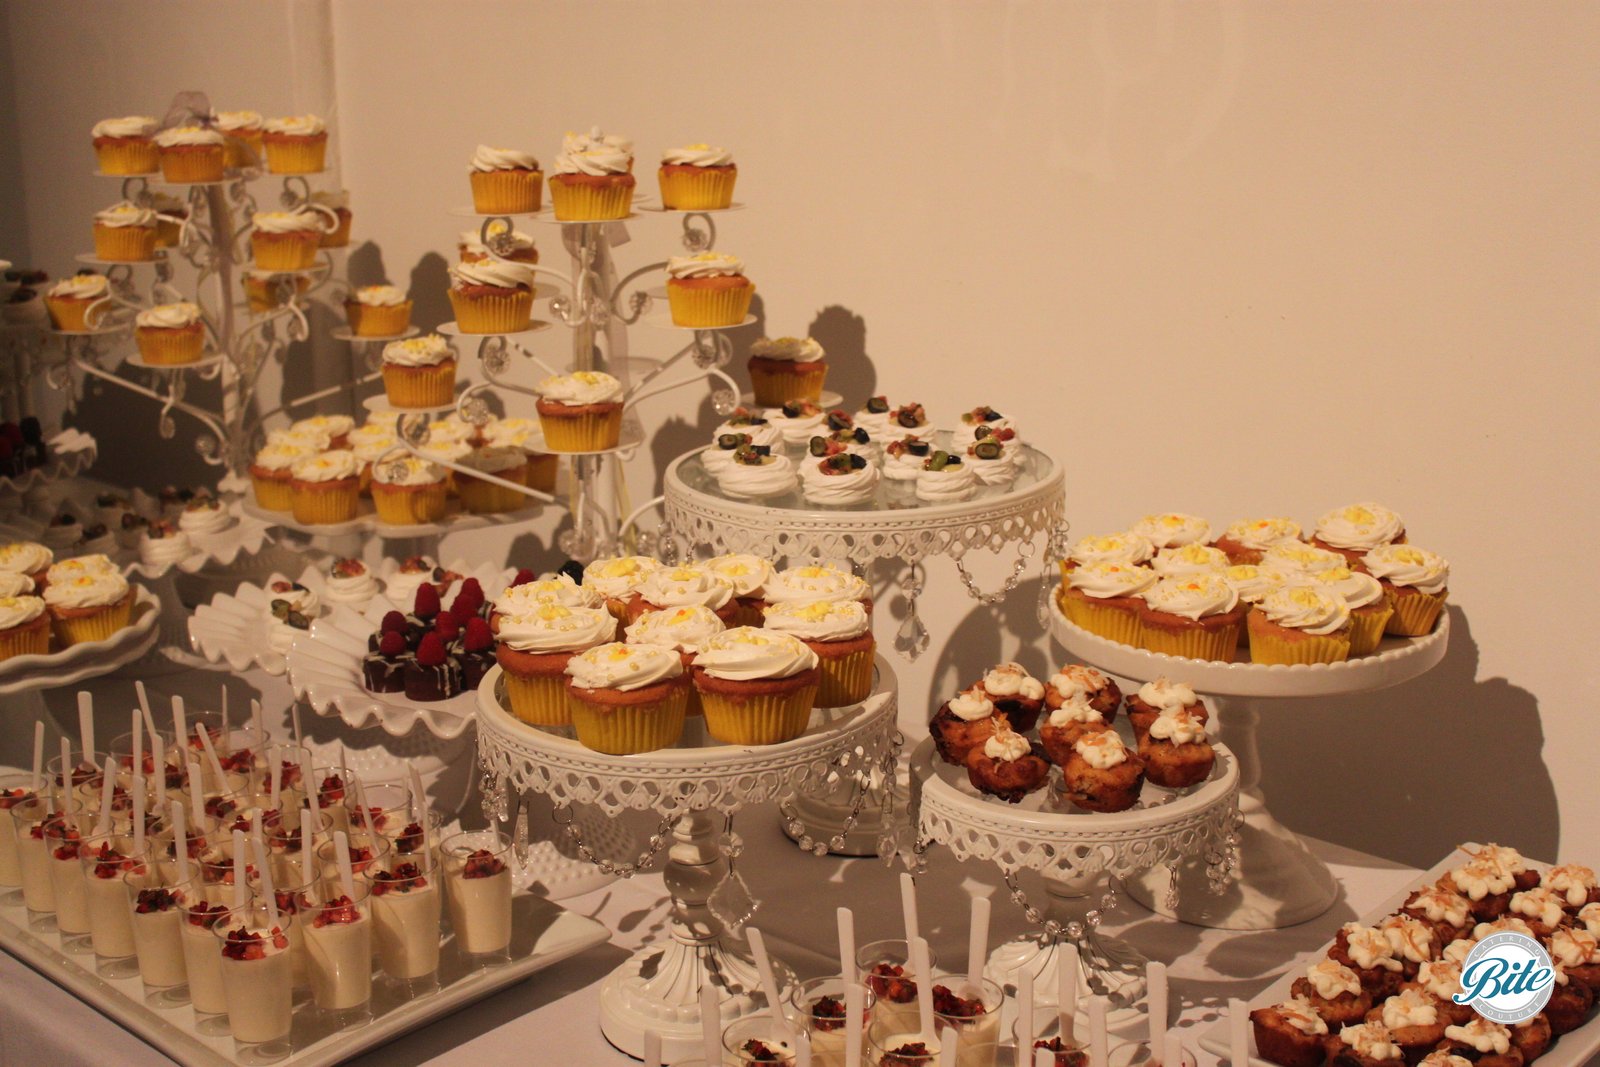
[(787, 368), (1414, 942), (1576, 885), (491, 296), (378, 311), (627, 698), (1197, 616), (592, 178), (1484, 1043), (1443, 1058), (1173, 530), (1441, 980), (1107, 599), (1016, 694), (1541, 907), (1300, 624), (1413, 1021), (1247, 540), (1569, 1003), (1508, 860), (295, 144), (1334, 993), (580, 412), (505, 181), (1576, 950), (1532, 1037), (1102, 774), (708, 289), (1290, 1034), (1446, 910), (962, 724), (1357, 529), (1175, 751), (1485, 884), (1369, 607), (1007, 766), (1363, 1045), (697, 177), (1075, 681), (838, 631), (1065, 724), (1162, 697), (1365, 950), (1415, 581), (757, 686)]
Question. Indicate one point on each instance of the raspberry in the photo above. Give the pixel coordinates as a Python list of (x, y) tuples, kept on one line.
[(446, 626), (478, 638), (392, 644), (427, 602), (430, 653), (393, 622), (524, 576)]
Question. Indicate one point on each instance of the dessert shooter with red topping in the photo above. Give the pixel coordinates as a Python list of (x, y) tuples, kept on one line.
[(368, 853), (62, 839), (30, 817), (970, 1016), (15, 789), (907, 1049), (257, 981), (819, 1004), (405, 910), (477, 870), (885, 967), (156, 917), (204, 910), (754, 1040), (337, 926), (106, 859)]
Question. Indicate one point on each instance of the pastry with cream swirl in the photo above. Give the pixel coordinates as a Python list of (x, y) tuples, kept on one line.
[(787, 368), (1007, 766), (757, 686), (505, 181), (708, 290), (697, 177), (627, 698), (592, 178)]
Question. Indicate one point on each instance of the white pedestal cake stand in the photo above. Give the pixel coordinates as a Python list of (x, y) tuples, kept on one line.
[(1280, 882), (1075, 849), (894, 526), (696, 790)]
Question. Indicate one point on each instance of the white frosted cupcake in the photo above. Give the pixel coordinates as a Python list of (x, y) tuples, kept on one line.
[(556, 589), (1193, 558), (812, 582), (1357, 529), (1172, 530), (1416, 583), (1295, 559), (839, 480), (679, 587), (1369, 608), (1247, 540), (1129, 548), (749, 576), (1300, 624), (616, 580)]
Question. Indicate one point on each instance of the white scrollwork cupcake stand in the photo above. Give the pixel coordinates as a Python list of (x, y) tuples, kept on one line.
[(1076, 850), (1280, 882), (696, 791)]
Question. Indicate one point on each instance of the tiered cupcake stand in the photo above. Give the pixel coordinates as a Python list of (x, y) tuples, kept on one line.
[(893, 528), (1280, 882), (696, 789)]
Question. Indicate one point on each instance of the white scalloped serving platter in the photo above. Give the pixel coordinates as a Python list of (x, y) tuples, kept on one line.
[(1398, 659), (72, 452), (245, 537), (90, 659), (325, 669)]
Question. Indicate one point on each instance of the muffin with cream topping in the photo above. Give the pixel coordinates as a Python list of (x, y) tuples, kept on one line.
[(1017, 695), (1415, 581), (1367, 951), (1196, 616), (1290, 1034), (1067, 722), (757, 686), (491, 296), (1007, 766), (124, 145), (1334, 993), (286, 240), (533, 650), (125, 233), (697, 177), (1357, 529), (963, 723), (627, 698), (1102, 773), (192, 154), (170, 334), (580, 412), (295, 144), (1107, 599), (1075, 681), (1300, 624), (839, 632), (1363, 1045), (325, 488), (708, 290), (505, 181), (787, 368), (419, 372), (1483, 1043), (593, 177), (1176, 752), (1163, 697), (378, 311)]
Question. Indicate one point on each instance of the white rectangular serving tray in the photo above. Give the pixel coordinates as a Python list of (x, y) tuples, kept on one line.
[(543, 934), (1571, 1050)]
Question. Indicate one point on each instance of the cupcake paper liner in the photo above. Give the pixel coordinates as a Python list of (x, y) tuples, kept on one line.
[(1219, 644), (29, 639), (372, 320), (242, 149), (284, 251), (1366, 630), (486, 498), (326, 503), (125, 244), (408, 505), (1415, 613), (128, 157), (95, 626), (194, 165), (1267, 647), (540, 473), (169, 347), (774, 389), (168, 233), (709, 307), (1113, 624), (272, 495), (339, 236), (845, 680), (589, 432), (492, 314), (296, 157), (759, 720), (538, 700), (420, 387), (506, 192), (628, 729), (683, 190), (68, 314), (590, 203)]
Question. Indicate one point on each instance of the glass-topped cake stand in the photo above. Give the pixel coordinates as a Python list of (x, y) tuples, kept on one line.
[(696, 789), (1280, 882)]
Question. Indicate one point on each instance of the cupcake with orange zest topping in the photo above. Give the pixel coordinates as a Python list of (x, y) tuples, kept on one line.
[(533, 649), (1357, 529), (592, 179), (295, 144), (1197, 616), (419, 372), (616, 580), (840, 633), (1247, 540), (1370, 610), (378, 311), (124, 145), (505, 181), (1173, 530), (697, 177), (192, 154), (1106, 599), (748, 575), (708, 289), (627, 698), (787, 368), (491, 296), (1416, 583), (125, 233), (757, 686), (1108, 548), (1300, 624), (580, 412)]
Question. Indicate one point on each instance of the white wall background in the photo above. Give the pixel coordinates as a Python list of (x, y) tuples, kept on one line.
[(1230, 258)]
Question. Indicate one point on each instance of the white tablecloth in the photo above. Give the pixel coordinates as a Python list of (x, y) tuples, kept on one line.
[(553, 1017)]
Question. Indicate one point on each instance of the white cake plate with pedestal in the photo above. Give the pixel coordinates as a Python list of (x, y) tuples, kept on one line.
[(1076, 850), (1280, 882), (696, 789)]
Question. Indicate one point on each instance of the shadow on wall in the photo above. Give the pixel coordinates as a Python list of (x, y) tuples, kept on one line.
[(979, 641), (131, 453), (843, 336)]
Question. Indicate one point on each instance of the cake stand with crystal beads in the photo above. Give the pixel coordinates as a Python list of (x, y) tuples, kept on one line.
[(1280, 882), (1077, 851), (696, 789)]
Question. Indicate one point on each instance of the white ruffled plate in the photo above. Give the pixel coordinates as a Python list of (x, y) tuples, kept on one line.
[(90, 659), (71, 453), (325, 669), (247, 535)]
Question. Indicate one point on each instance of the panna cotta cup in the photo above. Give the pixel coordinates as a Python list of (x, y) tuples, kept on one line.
[(82, 771), (237, 749), (332, 789), (892, 1047), (755, 1040), (256, 979), (294, 766), (406, 904), (412, 838), (388, 809), (885, 967), (156, 911), (62, 838), (477, 875), (200, 836), (969, 1016), (819, 1006), (105, 859), (367, 853), (292, 894), (338, 932), (283, 842), (122, 756), (206, 908), (15, 789), (29, 819)]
